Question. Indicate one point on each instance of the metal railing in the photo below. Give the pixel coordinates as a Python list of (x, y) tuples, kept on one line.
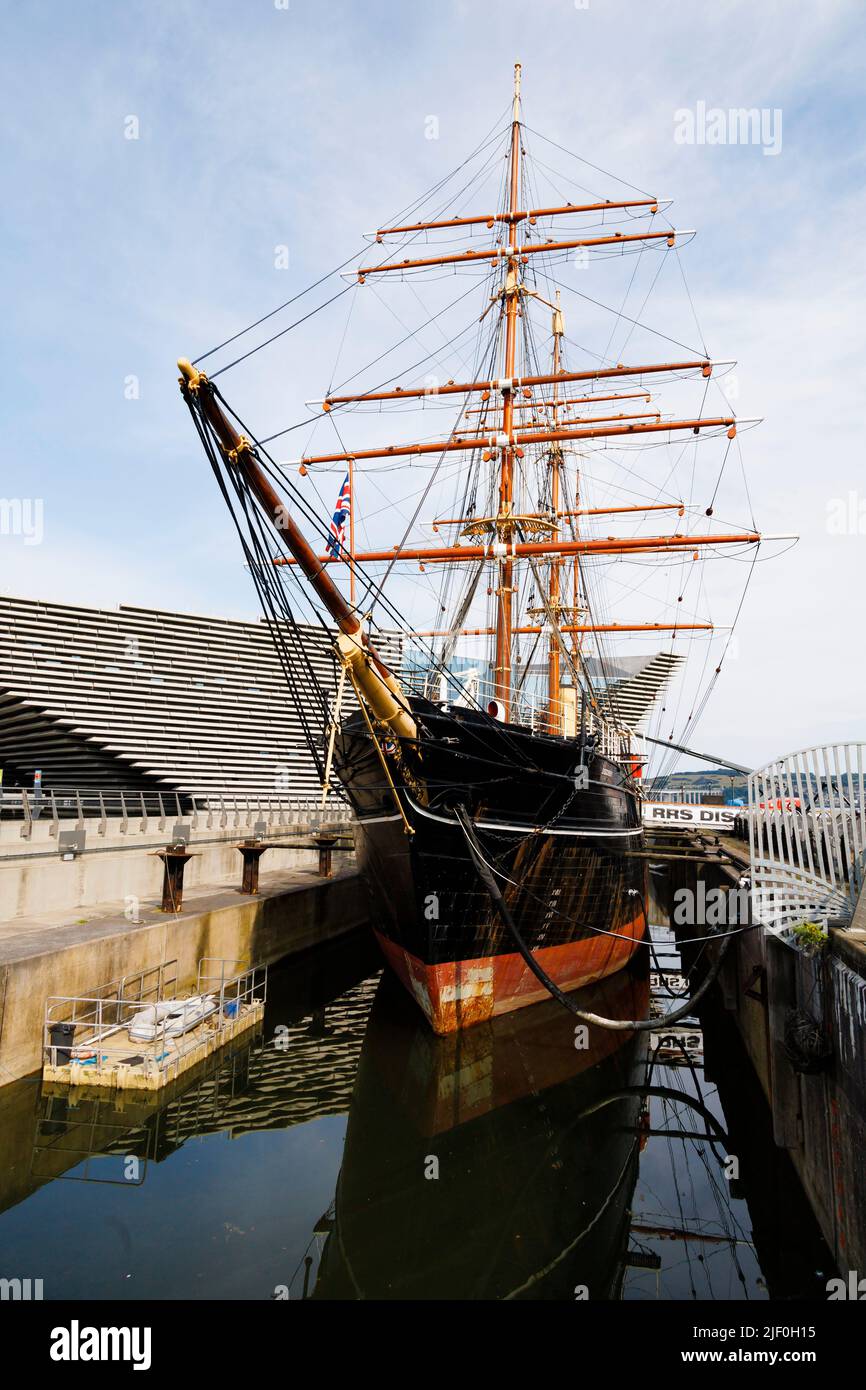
[(530, 707), (145, 812), (92, 1031), (807, 836), (684, 796), (104, 1007)]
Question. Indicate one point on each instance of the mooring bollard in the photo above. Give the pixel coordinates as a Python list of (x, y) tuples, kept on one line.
[(174, 857), (252, 851), (326, 844)]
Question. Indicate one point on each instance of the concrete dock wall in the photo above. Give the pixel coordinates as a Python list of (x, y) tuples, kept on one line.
[(818, 1118), (121, 864), (292, 912)]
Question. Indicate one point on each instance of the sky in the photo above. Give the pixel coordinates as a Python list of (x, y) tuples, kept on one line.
[(301, 126)]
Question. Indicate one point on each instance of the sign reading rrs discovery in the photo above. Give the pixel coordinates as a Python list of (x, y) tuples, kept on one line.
[(678, 813)]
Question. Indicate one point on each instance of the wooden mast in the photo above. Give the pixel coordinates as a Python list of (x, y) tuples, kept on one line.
[(352, 593), (505, 590), (553, 671), (373, 680)]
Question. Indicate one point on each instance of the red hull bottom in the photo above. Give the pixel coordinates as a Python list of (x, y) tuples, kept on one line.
[(458, 994)]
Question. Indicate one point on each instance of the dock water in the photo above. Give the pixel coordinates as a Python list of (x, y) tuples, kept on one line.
[(554, 1171)]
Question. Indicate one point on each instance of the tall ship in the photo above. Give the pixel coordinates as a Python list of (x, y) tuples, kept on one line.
[(489, 742)]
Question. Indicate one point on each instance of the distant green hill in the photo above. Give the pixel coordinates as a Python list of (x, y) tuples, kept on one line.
[(718, 780)]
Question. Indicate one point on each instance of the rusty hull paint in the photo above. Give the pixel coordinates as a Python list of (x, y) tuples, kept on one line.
[(460, 994)]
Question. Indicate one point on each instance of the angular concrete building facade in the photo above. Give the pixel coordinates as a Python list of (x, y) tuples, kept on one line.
[(631, 686), (143, 699)]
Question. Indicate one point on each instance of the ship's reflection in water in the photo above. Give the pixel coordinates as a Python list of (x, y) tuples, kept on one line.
[(499, 1162), (370, 1159)]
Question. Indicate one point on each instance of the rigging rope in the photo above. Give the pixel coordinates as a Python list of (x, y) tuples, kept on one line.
[(487, 877)]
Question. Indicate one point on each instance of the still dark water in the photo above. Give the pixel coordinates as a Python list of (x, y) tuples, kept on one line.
[(351, 1154)]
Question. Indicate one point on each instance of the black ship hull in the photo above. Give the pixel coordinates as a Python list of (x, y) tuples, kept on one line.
[(556, 819)]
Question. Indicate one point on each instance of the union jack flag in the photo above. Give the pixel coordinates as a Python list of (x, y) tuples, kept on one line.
[(337, 538)]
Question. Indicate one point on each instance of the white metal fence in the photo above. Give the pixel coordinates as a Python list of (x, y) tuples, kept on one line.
[(806, 836)]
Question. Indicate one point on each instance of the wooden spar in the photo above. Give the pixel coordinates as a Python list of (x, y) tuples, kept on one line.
[(643, 507), (583, 419), (505, 590), (488, 219), (464, 388), (678, 507), (508, 440), (567, 401), (240, 451), (379, 685), (576, 627), (521, 549), (514, 252)]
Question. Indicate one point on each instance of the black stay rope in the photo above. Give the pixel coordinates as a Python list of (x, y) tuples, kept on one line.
[(618, 1025)]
